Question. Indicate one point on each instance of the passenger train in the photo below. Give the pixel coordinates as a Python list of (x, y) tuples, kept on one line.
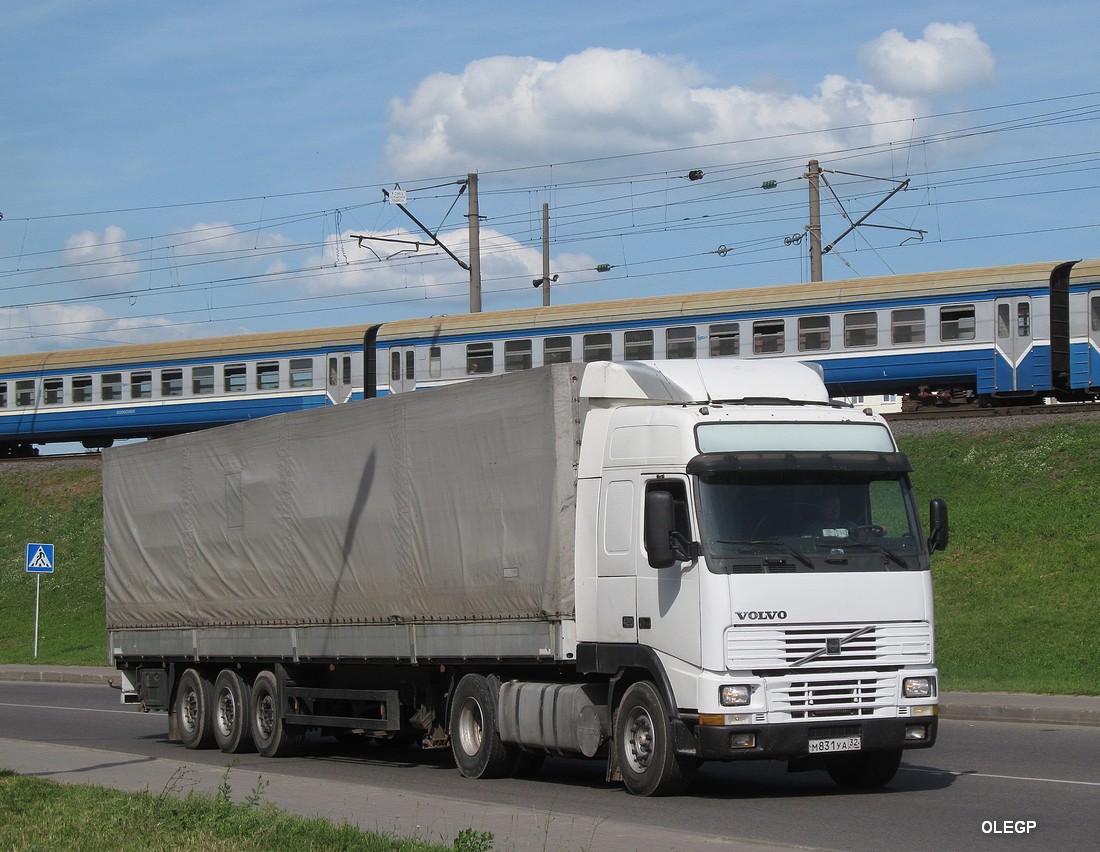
[(1023, 332)]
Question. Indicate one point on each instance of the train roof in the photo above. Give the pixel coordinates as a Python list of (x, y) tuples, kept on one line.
[(180, 350)]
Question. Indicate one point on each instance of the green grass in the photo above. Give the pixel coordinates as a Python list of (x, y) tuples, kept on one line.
[(38, 814), (1017, 592)]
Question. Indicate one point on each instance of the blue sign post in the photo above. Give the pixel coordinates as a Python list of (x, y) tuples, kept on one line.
[(39, 562)]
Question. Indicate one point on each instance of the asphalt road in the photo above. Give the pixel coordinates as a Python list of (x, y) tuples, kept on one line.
[(986, 785)]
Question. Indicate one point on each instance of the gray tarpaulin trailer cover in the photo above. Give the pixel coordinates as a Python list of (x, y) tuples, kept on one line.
[(449, 504)]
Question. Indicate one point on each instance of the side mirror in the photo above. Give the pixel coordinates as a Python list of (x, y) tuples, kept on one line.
[(665, 544), (937, 520)]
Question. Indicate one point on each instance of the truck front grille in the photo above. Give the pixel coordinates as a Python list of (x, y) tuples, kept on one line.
[(849, 645)]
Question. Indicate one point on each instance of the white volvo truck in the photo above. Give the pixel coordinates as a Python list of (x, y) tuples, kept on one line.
[(650, 563)]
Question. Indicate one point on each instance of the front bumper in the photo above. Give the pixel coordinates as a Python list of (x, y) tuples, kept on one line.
[(792, 740)]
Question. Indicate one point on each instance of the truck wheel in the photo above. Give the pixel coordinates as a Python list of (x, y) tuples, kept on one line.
[(866, 770), (192, 710), (643, 742), (272, 736), (475, 737), (232, 713)]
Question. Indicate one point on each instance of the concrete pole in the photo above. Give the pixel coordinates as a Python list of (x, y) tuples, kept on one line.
[(813, 175), (475, 246), (546, 255)]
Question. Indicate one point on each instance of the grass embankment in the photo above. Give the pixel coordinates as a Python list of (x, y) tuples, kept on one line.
[(1017, 592), (37, 814)]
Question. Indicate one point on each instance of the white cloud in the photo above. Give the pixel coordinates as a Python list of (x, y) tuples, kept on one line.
[(107, 255), (509, 111), (948, 58)]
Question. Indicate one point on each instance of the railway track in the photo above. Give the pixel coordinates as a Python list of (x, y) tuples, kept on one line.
[(973, 411)]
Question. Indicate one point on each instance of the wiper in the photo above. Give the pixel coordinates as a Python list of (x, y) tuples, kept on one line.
[(881, 549), (780, 545)]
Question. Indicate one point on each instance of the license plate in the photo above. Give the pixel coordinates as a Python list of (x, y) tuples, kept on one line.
[(835, 744)]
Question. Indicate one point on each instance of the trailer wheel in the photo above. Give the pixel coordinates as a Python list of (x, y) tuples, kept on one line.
[(865, 770), (272, 736), (232, 713), (193, 710), (475, 735), (643, 743)]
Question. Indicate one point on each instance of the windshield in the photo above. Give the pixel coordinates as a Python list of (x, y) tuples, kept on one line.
[(808, 520)]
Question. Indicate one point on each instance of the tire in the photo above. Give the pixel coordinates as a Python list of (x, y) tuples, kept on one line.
[(232, 712), (193, 710), (475, 734), (272, 736), (865, 771), (643, 744)]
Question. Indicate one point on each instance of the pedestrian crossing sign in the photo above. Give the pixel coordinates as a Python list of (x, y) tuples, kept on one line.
[(40, 558)]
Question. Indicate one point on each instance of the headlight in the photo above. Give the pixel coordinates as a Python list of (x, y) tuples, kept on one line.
[(734, 695), (918, 687)]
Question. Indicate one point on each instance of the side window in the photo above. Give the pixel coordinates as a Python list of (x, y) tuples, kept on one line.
[(410, 366), (479, 359), (141, 384), (171, 382), (557, 350), (813, 333), (517, 355), (725, 340), (907, 325), (53, 391), (661, 496), (1094, 313), (638, 345), (767, 337), (202, 380), (82, 388), (1023, 319), (597, 347), (267, 375), (395, 367), (24, 393), (435, 362), (680, 342), (301, 372), (236, 378), (110, 386), (957, 323), (860, 329), (3, 394)]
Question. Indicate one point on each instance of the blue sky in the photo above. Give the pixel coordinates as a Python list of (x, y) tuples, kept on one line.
[(193, 170)]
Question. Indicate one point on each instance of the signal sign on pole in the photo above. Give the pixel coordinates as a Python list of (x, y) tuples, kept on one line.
[(40, 558), (39, 562)]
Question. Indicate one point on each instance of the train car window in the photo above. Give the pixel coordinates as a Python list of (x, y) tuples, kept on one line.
[(3, 394), (907, 325), (1023, 319), (435, 362), (1094, 313), (957, 323), (267, 375), (202, 380), (767, 336), (236, 378), (171, 382), (479, 359), (638, 345), (557, 350), (680, 342), (345, 368), (860, 329), (517, 355), (725, 340), (301, 372), (1004, 320), (813, 333), (53, 391), (597, 347), (24, 393), (110, 386), (395, 368), (82, 388), (141, 385)]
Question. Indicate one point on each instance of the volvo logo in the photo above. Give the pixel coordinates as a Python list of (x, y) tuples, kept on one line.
[(762, 615)]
